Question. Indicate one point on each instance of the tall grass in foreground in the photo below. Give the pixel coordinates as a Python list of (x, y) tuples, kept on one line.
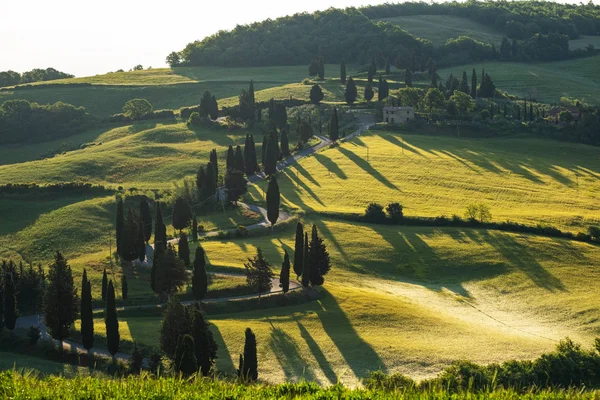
[(16, 385)]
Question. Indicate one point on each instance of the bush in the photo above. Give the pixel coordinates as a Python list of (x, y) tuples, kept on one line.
[(394, 211), (155, 361), (34, 334), (374, 213), (594, 233), (195, 119), (185, 112), (379, 381), (478, 212)]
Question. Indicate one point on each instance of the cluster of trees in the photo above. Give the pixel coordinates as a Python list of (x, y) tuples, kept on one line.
[(518, 20), (22, 121), (11, 78), (186, 339), (356, 36), (311, 259), (133, 231), (277, 42), (26, 284)]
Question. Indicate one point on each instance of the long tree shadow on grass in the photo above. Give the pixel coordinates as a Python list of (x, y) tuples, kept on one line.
[(297, 183), (524, 259), (365, 166), (224, 362), (318, 354), (403, 145), (288, 356), (358, 354), (330, 165)]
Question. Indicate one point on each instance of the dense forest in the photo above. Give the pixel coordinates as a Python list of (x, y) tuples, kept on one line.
[(11, 78), (534, 30)]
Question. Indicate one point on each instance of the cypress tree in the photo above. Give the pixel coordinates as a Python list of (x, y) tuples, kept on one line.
[(199, 276), (120, 223), (146, 215), (124, 287), (205, 347), (157, 258), (263, 149), (249, 365), (160, 230), (201, 181), (319, 258), (284, 276), (60, 299), (104, 284), (170, 274), (316, 94), (299, 250), (306, 264), (343, 72), (230, 163), (408, 77), (11, 312), (239, 160), (195, 228), (173, 326), (184, 249), (111, 321), (474, 84), (211, 180), (273, 200), (369, 93), (87, 314), (251, 96), (213, 159), (248, 154), (141, 242), (1, 302), (185, 357), (351, 92), (334, 129), (285, 144), (464, 85), (130, 238), (388, 66), (253, 155), (182, 215)]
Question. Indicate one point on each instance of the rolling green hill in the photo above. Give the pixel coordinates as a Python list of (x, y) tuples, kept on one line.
[(440, 28), (104, 95), (546, 82)]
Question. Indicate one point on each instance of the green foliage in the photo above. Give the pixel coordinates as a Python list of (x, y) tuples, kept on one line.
[(464, 102), (22, 121), (299, 250), (284, 276), (104, 284), (434, 99), (136, 359), (395, 212), (60, 300), (408, 77), (184, 249), (351, 92), (273, 200), (306, 266), (11, 78), (374, 213), (160, 229), (185, 359), (383, 90), (318, 258), (137, 108), (113, 338), (199, 276), (87, 315), (236, 184), (248, 370), (342, 72), (34, 334), (146, 215), (480, 212), (182, 214), (258, 272), (9, 302), (170, 274), (334, 125)]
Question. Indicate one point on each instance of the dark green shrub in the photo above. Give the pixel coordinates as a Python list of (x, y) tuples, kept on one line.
[(379, 381), (394, 211), (374, 213)]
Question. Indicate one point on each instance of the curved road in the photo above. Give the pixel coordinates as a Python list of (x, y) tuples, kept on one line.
[(365, 121)]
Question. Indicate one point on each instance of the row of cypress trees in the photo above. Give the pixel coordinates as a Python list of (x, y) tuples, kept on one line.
[(311, 258)]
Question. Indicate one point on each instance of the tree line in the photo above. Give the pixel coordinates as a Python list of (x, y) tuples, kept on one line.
[(11, 78)]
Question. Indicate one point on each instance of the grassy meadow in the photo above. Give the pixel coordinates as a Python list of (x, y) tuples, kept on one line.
[(143, 155), (164, 88), (546, 82), (440, 295), (440, 28), (523, 180)]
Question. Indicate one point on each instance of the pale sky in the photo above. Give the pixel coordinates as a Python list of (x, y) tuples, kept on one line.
[(93, 37)]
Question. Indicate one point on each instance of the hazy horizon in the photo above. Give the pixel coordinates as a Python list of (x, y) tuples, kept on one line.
[(89, 41)]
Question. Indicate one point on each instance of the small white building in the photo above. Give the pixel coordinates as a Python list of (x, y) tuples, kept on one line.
[(398, 115)]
